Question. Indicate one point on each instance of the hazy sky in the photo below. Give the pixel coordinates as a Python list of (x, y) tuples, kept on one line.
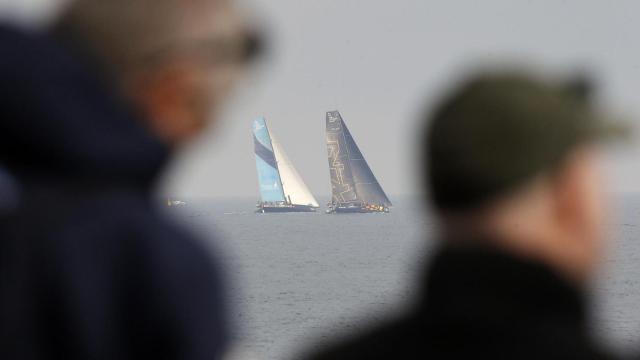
[(382, 62)]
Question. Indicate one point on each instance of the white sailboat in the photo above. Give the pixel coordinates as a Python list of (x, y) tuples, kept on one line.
[(281, 187)]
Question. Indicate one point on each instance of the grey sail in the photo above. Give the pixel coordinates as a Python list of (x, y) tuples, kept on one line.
[(343, 188), (352, 181)]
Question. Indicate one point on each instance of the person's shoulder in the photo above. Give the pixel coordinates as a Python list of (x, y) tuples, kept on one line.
[(122, 217), (130, 227), (140, 217), (400, 338), (12, 34)]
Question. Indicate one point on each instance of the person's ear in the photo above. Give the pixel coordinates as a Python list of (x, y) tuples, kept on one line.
[(577, 187), (568, 184), (579, 210)]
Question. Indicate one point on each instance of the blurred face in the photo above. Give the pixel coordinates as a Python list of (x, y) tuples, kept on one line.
[(185, 87), (558, 219)]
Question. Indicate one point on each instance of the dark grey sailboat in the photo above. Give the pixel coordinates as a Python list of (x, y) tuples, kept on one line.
[(354, 188)]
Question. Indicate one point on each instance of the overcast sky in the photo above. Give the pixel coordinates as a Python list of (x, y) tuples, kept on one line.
[(381, 63)]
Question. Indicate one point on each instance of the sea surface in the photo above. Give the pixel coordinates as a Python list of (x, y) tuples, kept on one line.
[(302, 279)]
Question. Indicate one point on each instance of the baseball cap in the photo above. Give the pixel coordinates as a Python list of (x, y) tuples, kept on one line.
[(498, 130)]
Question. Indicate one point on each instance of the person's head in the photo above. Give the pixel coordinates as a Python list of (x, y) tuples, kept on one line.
[(511, 161), (175, 60)]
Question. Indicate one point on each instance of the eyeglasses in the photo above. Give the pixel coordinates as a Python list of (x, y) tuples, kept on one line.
[(242, 49)]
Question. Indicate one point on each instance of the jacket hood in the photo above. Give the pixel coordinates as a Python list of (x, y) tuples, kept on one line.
[(61, 119)]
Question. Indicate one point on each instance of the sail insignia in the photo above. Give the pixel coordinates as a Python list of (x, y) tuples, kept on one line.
[(342, 184)]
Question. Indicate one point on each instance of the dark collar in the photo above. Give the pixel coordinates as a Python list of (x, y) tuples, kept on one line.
[(484, 283)]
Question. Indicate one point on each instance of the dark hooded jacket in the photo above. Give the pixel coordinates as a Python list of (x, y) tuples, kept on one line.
[(88, 268), (482, 304)]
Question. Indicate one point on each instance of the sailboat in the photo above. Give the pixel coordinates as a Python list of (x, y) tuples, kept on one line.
[(281, 187), (175, 202), (354, 188)]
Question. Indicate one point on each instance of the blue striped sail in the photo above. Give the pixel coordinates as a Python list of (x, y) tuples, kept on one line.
[(268, 174)]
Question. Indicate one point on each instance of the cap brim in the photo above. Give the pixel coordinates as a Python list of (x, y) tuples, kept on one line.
[(611, 129)]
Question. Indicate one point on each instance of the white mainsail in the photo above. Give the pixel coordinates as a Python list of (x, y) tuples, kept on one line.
[(294, 188)]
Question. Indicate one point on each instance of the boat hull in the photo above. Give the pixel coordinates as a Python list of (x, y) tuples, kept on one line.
[(284, 209), (357, 210)]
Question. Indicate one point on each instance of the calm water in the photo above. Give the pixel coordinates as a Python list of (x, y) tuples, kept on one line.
[(303, 278)]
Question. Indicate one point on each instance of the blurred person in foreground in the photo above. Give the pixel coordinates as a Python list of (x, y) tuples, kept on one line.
[(90, 112), (512, 165)]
